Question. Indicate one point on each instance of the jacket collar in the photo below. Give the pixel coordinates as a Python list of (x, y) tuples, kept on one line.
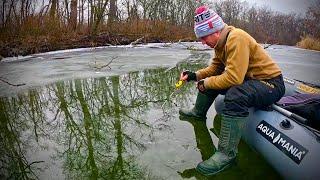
[(223, 37)]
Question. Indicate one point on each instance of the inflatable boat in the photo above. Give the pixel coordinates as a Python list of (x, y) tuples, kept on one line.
[(286, 140)]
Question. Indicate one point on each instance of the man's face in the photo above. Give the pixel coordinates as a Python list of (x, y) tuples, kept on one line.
[(211, 40)]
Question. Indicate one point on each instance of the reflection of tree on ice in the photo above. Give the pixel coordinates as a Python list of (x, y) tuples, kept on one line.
[(97, 123), (13, 114), (110, 164)]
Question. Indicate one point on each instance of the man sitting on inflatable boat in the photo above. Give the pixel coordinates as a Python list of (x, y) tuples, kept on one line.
[(243, 71)]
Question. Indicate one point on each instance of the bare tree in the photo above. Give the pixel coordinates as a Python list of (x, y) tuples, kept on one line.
[(150, 16), (99, 14), (73, 14), (112, 16), (313, 19), (53, 9)]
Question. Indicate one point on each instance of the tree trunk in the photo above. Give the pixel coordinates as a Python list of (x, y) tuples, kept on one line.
[(99, 16), (82, 12), (3, 13), (112, 16), (73, 14), (53, 9), (66, 4)]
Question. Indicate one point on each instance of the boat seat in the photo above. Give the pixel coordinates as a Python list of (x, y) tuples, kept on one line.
[(305, 105)]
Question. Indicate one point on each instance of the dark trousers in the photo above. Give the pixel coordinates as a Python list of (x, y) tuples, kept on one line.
[(251, 93)]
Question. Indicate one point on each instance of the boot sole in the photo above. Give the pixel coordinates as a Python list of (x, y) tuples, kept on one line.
[(206, 173)]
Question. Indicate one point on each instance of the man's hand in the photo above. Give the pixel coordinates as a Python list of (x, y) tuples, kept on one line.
[(200, 86), (188, 76)]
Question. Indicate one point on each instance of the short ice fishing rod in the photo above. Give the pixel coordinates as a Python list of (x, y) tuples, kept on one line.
[(179, 84), (181, 81)]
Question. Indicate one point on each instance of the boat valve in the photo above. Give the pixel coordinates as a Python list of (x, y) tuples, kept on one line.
[(285, 124)]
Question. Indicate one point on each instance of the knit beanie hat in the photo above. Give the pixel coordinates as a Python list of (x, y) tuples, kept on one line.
[(206, 22)]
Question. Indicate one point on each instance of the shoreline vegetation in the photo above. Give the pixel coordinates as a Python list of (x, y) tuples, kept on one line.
[(62, 39), (308, 42), (29, 27)]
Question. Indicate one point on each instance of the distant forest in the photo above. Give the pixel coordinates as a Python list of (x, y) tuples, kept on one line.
[(30, 26)]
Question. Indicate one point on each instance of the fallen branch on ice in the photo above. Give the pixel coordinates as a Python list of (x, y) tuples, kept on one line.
[(97, 66), (138, 41)]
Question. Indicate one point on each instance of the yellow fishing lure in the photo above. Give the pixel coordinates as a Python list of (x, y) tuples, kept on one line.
[(179, 84)]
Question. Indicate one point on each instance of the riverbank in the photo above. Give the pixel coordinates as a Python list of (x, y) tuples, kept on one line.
[(33, 37), (32, 45), (26, 45)]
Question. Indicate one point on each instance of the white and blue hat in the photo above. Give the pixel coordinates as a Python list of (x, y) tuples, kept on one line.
[(207, 22)]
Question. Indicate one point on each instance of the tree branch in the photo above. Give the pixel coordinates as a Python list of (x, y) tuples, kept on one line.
[(137, 41), (107, 65)]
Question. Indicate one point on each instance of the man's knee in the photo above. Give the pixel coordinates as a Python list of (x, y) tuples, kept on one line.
[(236, 102), (211, 93), (237, 95)]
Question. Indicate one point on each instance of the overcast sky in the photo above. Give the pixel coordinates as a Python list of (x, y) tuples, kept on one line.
[(285, 6)]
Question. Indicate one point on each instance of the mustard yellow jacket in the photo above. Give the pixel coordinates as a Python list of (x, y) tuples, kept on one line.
[(237, 56)]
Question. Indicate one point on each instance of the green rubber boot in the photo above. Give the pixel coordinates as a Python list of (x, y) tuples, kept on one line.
[(199, 111), (225, 156)]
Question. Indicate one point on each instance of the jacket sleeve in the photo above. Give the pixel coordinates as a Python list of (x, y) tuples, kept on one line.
[(215, 68), (237, 62)]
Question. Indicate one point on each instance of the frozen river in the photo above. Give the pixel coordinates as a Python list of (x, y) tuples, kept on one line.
[(112, 113)]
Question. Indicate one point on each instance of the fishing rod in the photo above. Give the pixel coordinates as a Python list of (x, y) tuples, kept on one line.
[(178, 85)]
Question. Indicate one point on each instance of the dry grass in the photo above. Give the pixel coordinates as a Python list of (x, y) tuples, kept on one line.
[(308, 42), (37, 26), (151, 30), (40, 34)]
